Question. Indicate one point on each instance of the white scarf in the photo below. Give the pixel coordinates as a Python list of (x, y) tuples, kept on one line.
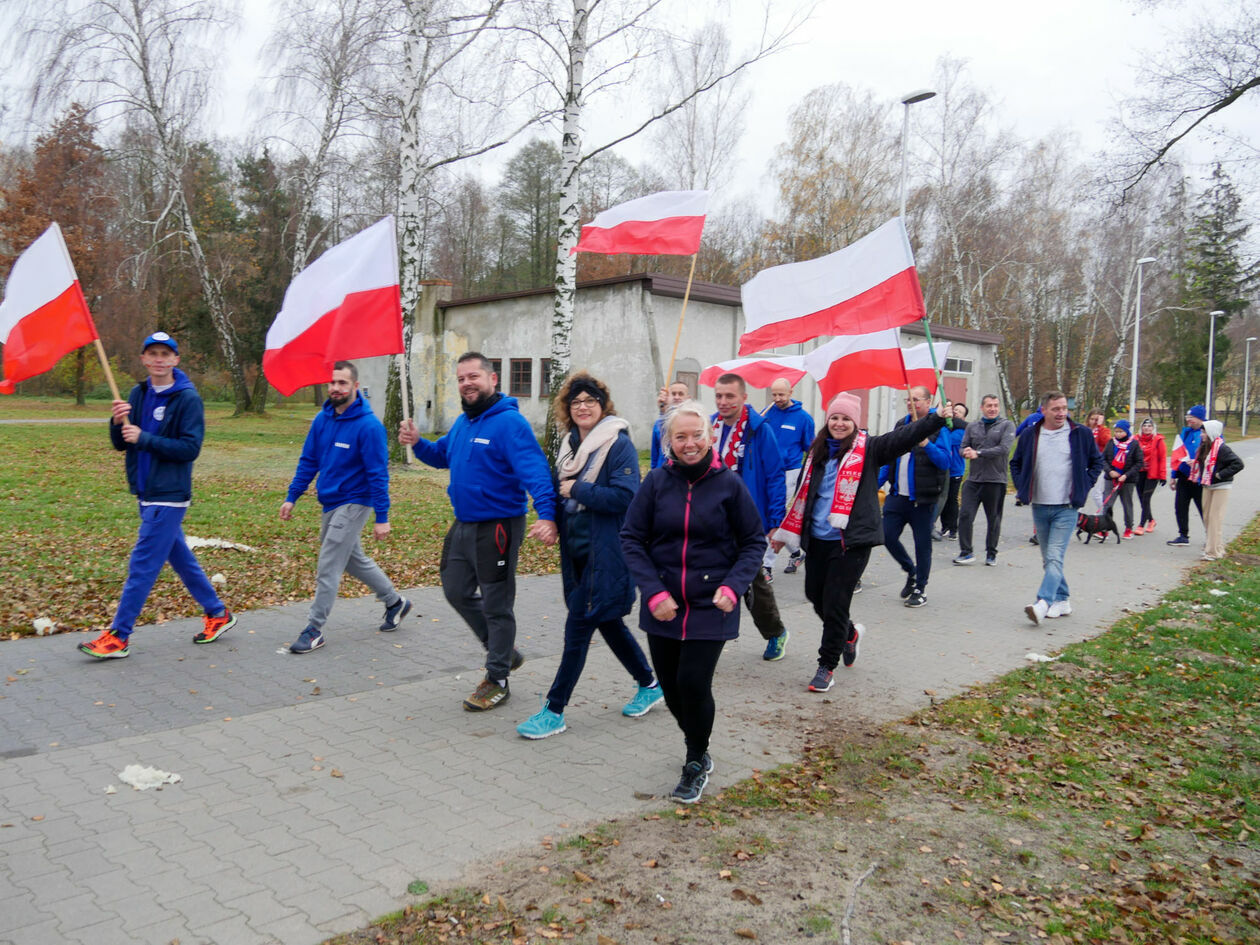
[(591, 453)]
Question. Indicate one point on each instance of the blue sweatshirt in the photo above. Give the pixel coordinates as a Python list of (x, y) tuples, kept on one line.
[(347, 451), (493, 458), (172, 425), (794, 428)]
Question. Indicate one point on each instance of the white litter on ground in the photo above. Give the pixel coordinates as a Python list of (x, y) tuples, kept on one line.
[(1039, 658), (142, 778), (1218, 593), (194, 542), (218, 578), (110, 789), (43, 626)]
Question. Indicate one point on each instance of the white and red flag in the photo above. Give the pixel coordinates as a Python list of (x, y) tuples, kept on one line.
[(44, 315), (344, 305), (868, 286), (666, 223), (857, 362), (757, 372), (920, 369), (1179, 453)]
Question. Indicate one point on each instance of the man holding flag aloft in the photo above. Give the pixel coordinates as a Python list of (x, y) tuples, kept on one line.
[(160, 427)]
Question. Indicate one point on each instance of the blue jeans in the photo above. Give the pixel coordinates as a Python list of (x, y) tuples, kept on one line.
[(161, 539), (578, 632), (1054, 524)]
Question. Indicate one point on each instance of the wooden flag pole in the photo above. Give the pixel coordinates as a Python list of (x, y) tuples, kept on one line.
[(669, 374), (408, 456), (109, 374)]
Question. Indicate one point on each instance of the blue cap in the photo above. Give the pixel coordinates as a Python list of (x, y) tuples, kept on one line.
[(160, 338), (1124, 425), (1197, 410)]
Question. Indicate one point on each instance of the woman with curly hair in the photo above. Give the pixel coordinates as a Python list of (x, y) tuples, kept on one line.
[(597, 474)]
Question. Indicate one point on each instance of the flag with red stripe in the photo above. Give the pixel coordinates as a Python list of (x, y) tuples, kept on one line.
[(666, 223)]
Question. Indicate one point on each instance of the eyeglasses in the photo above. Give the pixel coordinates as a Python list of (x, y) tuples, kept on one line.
[(583, 402)]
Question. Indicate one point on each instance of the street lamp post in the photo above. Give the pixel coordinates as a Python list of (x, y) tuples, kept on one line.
[(922, 95), (1211, 389), (1246, 384), (1137, 335)]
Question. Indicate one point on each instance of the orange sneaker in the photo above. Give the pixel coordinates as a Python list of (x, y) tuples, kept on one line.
[(215, 627), (108, 646), (1139, 530)]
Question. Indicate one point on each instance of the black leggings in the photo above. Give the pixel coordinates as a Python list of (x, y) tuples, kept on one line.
[(832, 573), (1146, 490), (685, 669)]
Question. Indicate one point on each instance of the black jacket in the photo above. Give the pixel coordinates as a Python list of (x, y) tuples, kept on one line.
[(865, 522)]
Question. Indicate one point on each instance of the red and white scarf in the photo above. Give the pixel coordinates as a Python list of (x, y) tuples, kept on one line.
[(848, 477), (1121, 454), (1204, 475), (733, 448)]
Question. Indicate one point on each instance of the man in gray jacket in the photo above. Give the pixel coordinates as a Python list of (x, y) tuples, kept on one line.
[(987, 444)]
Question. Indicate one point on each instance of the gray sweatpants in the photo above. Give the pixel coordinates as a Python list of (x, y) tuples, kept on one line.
[(341, 552), (479, 581)]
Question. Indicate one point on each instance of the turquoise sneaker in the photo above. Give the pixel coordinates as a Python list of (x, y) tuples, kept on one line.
[(643, 701), (543, 723), (776, 647)]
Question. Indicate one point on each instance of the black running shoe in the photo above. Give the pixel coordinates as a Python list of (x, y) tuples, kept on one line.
[(691, 784)]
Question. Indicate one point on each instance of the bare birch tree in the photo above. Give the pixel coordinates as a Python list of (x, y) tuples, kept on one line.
[(148, 62)]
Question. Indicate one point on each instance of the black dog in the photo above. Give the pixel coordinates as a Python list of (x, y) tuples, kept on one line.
[(1101, 524)]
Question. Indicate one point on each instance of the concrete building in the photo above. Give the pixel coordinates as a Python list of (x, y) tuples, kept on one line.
[(624, 332)]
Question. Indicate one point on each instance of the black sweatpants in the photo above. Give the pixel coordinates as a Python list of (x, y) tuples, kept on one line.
[(685, 671), (832, 573)]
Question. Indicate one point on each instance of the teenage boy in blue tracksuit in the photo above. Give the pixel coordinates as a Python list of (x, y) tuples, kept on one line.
[(494, 458), (915, 482), (160, 427), (345, 448), (794, 428)]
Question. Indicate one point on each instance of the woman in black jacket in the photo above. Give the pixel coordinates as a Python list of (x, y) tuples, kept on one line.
[(1123, 462), (597, 474), (693, 540), (835, 520)]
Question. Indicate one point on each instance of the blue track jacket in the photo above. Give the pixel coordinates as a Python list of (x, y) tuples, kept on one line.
[(794, 428), (347, 451), (493, 459)]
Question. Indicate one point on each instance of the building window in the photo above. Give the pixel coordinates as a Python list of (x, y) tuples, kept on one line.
[(544, 382), (496, 365), (521, 383), (959, 365)]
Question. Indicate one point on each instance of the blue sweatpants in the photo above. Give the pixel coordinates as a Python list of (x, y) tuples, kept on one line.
[(161, 539)]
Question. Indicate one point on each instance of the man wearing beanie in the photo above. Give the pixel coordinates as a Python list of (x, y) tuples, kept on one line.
[(915, 482), (494, 458), (987, 445), (160, 427), (1185, 491)]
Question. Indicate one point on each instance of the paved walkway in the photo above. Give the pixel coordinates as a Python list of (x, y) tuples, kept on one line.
[(315, 788)]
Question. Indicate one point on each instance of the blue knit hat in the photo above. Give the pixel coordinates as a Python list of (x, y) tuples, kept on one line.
[(1197, 410), (1124, 425)]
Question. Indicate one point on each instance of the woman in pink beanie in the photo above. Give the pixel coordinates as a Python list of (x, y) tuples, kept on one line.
[(835, 519)]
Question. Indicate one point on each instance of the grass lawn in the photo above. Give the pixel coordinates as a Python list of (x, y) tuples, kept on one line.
[(67, 522)]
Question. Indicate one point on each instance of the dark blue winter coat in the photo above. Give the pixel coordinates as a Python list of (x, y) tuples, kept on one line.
[(689, 540), (605, 590), (172, 425), (1087, 462), (761, 468)]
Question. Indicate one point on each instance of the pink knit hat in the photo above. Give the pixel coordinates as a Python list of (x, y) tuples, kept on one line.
[(847, 404)]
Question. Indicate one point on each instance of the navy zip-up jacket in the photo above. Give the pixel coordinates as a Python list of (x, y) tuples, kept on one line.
[(347, 451), (172, 425), (689, 540), (493, 459), (1087, 462)]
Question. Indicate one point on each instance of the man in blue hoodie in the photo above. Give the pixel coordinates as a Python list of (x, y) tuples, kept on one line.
[(160, 427), (494, 458), (915, 482), (745, 443), (794, 429), (345, 448)]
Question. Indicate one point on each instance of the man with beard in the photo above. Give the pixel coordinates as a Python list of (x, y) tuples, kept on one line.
[(346, 449), (494, 458)]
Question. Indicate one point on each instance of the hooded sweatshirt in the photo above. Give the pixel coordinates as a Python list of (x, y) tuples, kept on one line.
[(172, 425), (347, 451)]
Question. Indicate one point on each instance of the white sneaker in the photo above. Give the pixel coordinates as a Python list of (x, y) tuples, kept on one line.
[(1037, 612), (1060, 608)]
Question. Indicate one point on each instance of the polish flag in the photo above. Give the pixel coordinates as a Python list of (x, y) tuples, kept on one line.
[(868, 286), (344, 305), (857, 362), (668, 223), (919, 369), (757, 372), (1179, 453), (44, 315)]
